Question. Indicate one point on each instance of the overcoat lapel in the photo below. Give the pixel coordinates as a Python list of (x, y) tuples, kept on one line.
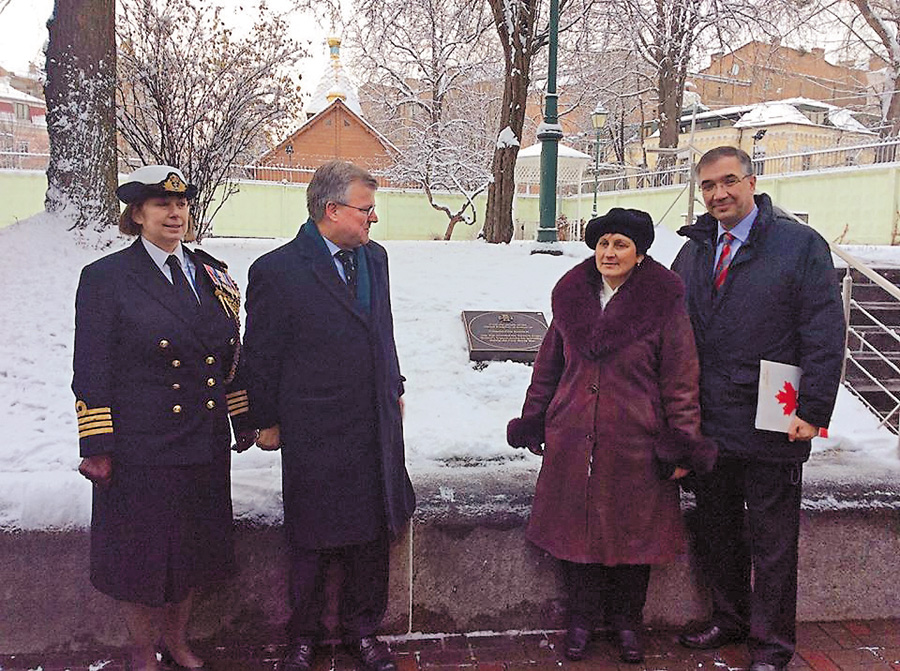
[(326, 274)]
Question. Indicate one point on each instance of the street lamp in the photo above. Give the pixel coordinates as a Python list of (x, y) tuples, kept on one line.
[(549, 134), (598, 121)]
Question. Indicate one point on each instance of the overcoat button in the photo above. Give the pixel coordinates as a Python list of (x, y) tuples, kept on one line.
[(210, 360), (231, 341), (163, 344), (590, 436), (176, 363), (211, 382), (593, 388), (176, 386), (176, 409), (210, 404)]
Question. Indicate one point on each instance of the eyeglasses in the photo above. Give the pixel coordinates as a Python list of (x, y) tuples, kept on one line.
[(727, 182), (368, 210)]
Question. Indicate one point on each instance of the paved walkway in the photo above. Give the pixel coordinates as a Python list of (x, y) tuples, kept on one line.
[(823, 646)]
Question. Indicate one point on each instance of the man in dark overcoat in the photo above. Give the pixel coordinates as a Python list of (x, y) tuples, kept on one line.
[(759, 286), (326, 381)]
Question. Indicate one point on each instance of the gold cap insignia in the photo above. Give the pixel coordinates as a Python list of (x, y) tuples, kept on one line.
[(174, 184)]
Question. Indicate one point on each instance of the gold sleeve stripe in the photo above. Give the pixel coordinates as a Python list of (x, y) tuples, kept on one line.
[(94, 418), (94, 432), (94, 425), (238, 406), (236, 395), (238, 411), (84, 412)]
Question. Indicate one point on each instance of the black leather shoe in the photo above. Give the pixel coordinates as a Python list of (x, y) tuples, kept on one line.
[(765, 666), (171, 665), (576, 643), (374, 655), (711, 637), (299, 656), (630, 648)]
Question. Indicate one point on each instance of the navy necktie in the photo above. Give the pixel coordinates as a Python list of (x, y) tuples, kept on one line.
[(348, 261), (179, 280)]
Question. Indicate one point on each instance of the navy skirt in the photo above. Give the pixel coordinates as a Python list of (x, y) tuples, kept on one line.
[(157, 532)]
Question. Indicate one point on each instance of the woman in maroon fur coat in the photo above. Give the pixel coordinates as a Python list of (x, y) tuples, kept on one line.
[(613, 408)]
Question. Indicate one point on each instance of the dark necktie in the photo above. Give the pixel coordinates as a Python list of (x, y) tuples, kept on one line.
[(348, 260), (185, 294), (724, 261)]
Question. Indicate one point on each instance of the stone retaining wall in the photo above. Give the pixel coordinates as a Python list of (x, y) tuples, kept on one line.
[(464, 565)]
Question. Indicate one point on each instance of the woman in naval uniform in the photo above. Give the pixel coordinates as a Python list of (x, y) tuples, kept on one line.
[(156, 378)]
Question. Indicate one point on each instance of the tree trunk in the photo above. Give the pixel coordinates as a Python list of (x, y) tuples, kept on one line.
[(498, 222), (670, 95), (80, 95), (450, 226), (518, 48)]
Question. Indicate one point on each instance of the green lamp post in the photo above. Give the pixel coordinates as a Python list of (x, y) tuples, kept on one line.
[(549, 134), (598, 121)]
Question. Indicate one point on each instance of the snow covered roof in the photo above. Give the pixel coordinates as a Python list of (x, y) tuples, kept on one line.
[(563, 152), (7, 92), (570, 165), (843, 119), (789, 110), (767, 114), (334, 84)]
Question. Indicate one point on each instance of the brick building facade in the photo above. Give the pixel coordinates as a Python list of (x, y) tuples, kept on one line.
[(24, 142), (758, 71)]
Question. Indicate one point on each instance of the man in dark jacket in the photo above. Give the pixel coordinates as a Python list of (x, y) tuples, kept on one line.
[(759, 286), (326, 385)]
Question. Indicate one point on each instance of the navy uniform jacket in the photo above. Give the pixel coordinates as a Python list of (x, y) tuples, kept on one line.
[(150, 376), (327, 373), (780, 302)]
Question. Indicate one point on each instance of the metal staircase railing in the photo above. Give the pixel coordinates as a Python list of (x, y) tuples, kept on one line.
[(872, 360)]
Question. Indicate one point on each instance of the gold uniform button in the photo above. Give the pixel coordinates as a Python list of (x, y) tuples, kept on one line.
[(176, 409), (210, 404), (211, 382), (163, 344), (210, 360), (231, 341), (176, 386), (176, 363)]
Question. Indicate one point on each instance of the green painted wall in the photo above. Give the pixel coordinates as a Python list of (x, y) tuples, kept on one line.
[(21, 195), (857, 205)]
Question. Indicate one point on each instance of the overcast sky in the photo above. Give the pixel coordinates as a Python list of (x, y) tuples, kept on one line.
[(23, 32)]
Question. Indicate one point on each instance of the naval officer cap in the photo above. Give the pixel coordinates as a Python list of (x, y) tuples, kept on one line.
[(155, 180)]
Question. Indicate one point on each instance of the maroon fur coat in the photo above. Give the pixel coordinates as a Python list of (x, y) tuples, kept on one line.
[(613, 397)]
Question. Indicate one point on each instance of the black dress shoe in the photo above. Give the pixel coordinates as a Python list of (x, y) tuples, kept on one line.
[(711, 637), (299, 656), (765, 666), (576, 643), (171, 665), (630, 648), (374, 655)]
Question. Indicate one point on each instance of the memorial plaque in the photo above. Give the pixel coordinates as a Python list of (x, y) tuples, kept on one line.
[(504, 336)]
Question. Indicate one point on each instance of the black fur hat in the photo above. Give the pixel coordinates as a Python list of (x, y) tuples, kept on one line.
[(634, 224)]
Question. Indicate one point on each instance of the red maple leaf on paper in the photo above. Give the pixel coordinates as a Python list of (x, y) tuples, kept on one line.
[(788, 398)]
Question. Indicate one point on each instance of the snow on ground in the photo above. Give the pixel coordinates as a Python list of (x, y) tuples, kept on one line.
[(455, 412)]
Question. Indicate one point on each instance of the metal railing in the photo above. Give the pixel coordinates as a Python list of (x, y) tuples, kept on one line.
[(17, 160), (872, 360), (631, 178)]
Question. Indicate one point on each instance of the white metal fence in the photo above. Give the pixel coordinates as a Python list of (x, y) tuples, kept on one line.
[(629, 178)]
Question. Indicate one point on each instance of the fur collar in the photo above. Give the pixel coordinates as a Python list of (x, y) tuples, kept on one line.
[(642, 305)]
